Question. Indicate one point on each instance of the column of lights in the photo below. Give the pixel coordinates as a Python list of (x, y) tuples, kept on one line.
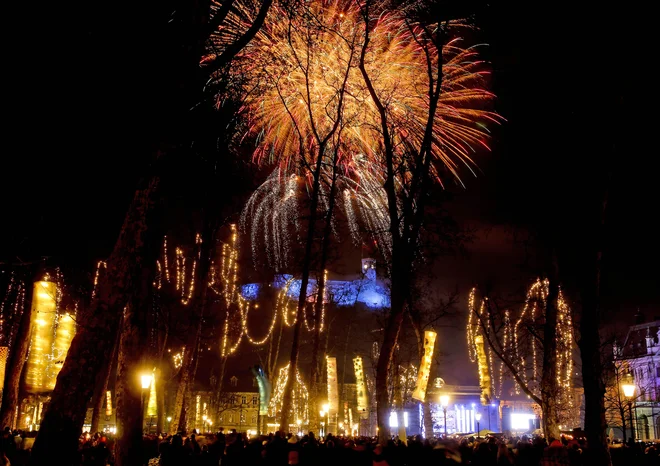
[(43, 316), (108, 403), (425, 366), (362, 401)]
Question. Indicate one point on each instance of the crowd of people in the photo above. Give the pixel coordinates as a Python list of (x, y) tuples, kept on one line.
[(237, 449)]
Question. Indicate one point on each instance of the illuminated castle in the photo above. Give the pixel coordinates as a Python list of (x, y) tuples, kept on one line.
[(364, 288)]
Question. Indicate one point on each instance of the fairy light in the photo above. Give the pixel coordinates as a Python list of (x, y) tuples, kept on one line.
[(299, 400), (108, 403), (533, 309), (177, 358), (99, 265), (165, 260)]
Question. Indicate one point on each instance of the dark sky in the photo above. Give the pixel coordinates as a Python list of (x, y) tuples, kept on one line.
[(570, 83)]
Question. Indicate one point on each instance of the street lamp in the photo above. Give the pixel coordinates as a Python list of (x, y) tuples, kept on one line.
[(629, 392), (444, 402), (478, 418)]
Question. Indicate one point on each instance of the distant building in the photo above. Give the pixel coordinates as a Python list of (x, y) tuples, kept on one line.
[(235, 407), (638, 362), (365, 289)]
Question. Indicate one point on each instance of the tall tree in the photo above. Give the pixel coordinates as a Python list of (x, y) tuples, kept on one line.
[(168, 68), (132, 365), (20, 345), (63, 420)]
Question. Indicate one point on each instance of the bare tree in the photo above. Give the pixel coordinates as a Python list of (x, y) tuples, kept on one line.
[(529, 349), (64, 417)]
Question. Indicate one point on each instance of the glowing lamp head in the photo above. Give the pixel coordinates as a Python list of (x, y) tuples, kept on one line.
[(477, 416), (299, 422), (146, 380), (326, 407), (628, 390), (204, 417), (169, 418), (322, 413), (444, 400)]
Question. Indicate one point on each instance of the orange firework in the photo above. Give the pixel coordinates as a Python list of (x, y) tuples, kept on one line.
[(297, 64)]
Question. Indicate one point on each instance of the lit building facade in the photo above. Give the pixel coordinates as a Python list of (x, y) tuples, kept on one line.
[(236, 407), (637, 362), (463, 407)]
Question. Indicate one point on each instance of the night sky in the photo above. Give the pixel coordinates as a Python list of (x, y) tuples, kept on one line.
[(571, 85)]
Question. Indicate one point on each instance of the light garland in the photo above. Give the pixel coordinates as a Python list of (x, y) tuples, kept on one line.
[(299, 400), (237, 322), (177, 358), (99, 265)]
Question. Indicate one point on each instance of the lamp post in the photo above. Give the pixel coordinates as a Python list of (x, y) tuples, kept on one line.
[(629, 392), (146, 383), (326, 409), (444, 402), (322, 413), (478, 418)]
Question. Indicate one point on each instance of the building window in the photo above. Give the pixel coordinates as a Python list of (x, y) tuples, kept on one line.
[(243, 400), (232, 400), (254, 419), (255, 401), (657, 371), (233, 381), (231, 419), (242, 418)]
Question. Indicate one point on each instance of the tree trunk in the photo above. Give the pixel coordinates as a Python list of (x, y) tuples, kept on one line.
[(595, 424), (160, 401), (131, 366), (188, 365), (17, 357), (100, 388), (428, 418), (302, 298), (315, 398), (63, 420), (549, 384), (385, 357)]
